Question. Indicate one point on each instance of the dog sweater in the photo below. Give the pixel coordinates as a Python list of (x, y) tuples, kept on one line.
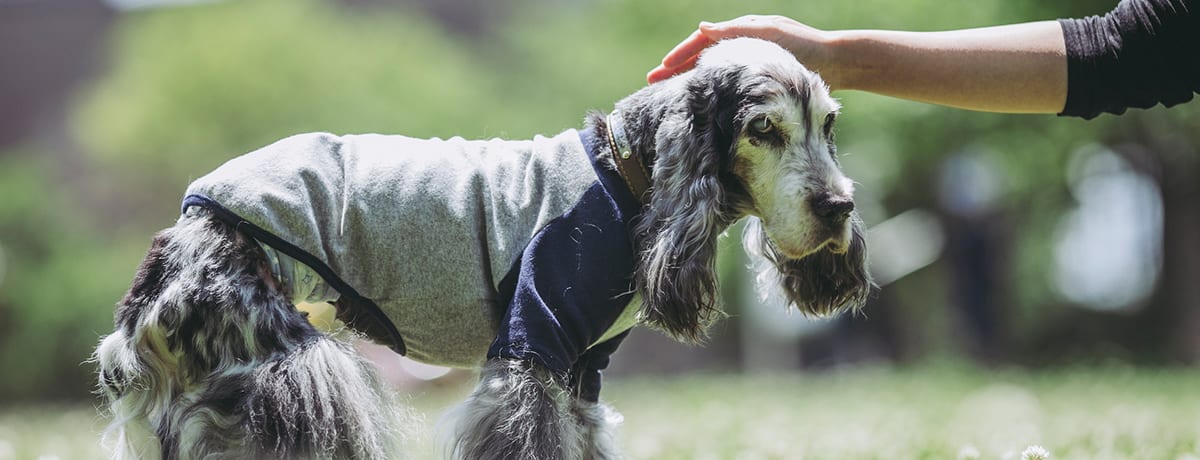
[(458, 250)]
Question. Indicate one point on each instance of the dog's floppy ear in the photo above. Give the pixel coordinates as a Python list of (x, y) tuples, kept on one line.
[(823, 283), (688, 208)]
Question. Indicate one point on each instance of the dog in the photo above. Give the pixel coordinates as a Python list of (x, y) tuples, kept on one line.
[(529, 260)]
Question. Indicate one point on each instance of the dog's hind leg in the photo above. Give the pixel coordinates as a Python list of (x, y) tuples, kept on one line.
[(213, 361), (138, 381)]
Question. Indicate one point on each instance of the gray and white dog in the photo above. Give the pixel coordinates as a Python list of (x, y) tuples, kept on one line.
[(527, 259)]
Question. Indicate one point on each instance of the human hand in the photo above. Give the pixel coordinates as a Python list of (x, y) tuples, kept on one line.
[(807, 43)]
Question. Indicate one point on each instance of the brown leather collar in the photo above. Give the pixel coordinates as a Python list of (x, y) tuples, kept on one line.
[(629, 165)]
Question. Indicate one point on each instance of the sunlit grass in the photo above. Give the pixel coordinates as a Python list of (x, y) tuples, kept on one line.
[(934, 413), (50, 432)]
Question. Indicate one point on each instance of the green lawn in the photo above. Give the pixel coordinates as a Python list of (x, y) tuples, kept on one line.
[(936, 413)]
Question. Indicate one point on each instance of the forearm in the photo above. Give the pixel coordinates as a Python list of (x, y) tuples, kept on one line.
[(1020, 68)]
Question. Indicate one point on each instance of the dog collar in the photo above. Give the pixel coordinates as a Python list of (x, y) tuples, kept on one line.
[(636, 177)]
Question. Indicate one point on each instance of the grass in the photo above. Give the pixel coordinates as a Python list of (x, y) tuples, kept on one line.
[(862, 413), (936, 414)]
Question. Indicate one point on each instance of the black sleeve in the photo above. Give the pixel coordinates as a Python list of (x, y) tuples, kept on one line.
[(1142, 53)]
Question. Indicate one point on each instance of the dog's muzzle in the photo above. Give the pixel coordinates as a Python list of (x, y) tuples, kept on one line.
[(833, 213)]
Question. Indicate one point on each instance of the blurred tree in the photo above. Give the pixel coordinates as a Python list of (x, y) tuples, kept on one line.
[(58, 282)]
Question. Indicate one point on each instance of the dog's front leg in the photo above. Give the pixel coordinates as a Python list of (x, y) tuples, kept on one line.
[(519, 410), (596, 424)]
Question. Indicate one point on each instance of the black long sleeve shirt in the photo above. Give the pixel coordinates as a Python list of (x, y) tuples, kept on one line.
[(1143, 53)]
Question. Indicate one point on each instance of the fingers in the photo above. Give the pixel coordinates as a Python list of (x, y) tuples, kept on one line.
[(687, 49), (765, 27), (663, 72), (658, 74), (683, 57)]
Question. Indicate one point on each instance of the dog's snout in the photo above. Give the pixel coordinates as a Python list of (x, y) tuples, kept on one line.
[(832, 207)]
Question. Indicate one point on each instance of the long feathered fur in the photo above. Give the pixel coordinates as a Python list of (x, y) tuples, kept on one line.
[(820, 284), (520, 411), (209, 360), (690, 201)]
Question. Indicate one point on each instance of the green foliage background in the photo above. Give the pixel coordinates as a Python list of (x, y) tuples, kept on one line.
[(185, 89)]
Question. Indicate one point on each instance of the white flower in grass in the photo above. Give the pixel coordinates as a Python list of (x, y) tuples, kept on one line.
[(968, 452), (1035, 452)]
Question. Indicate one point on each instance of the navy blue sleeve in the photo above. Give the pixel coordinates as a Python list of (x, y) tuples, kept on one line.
[(572, 282), (585, 376), (1143, 53)]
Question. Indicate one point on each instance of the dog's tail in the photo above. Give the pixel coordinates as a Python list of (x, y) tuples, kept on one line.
[(209, 360)]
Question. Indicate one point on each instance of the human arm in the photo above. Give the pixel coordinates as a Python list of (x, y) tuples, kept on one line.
[(1018, 68)]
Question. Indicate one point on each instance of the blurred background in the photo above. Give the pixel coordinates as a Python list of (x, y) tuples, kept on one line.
[(1001, 241)]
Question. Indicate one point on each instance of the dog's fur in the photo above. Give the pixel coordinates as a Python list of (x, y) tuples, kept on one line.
[(210, 360)]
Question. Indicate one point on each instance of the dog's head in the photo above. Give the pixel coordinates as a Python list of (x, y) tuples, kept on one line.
[(748, 132)]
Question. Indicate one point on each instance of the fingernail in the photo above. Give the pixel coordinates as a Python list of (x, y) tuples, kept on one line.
[(706, 25)]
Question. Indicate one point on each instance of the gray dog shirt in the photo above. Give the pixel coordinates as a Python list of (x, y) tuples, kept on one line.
[(436, 235)]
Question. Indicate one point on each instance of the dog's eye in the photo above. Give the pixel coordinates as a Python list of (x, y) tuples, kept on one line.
[(762, 125)]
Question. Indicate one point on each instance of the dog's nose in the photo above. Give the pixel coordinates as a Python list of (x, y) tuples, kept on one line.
[(827, 206)]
